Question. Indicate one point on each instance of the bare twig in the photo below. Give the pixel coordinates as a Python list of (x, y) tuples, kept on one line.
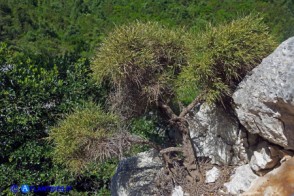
[(142, 141)]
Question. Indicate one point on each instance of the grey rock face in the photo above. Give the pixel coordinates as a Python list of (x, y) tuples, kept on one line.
[(241, 180), (265, 99), (263, 158), (218, 136), (212, 175), (279, 181), (178, 191), (135, 175)]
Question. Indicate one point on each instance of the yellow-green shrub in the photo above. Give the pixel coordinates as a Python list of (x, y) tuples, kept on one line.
[(221, 56), (80, 137), (141, 60)]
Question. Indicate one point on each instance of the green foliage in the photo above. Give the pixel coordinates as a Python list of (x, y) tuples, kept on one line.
[(33, 96), (31, 164), (140, 60), (54, 27), (50, 28), (46, 78), (186, 90), (25, 91), (34, 93), (77, 137), (221, 56), (100, 175), (147, 128)]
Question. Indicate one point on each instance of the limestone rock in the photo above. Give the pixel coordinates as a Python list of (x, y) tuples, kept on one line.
[(178, 191), (279, 181), (217, 135), (265, 98), (212, 175), (241, 180), (135, 175), (262, 157)]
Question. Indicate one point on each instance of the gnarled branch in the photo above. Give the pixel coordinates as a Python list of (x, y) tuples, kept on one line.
[(187, 109), (171, 149), (168, 111)]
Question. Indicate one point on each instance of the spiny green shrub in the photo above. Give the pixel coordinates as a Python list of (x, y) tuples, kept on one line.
[(141, 60), (86, 135), (221, 56)]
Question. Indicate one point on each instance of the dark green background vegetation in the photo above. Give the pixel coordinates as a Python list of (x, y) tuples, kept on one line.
[(45, 54)]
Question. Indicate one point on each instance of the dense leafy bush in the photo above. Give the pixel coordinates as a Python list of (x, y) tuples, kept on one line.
[(141, 60), (33, 95), (28, 164), (221, 56), (26, 101)]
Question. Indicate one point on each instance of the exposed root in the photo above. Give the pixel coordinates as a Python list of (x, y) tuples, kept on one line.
[(177, 175)]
